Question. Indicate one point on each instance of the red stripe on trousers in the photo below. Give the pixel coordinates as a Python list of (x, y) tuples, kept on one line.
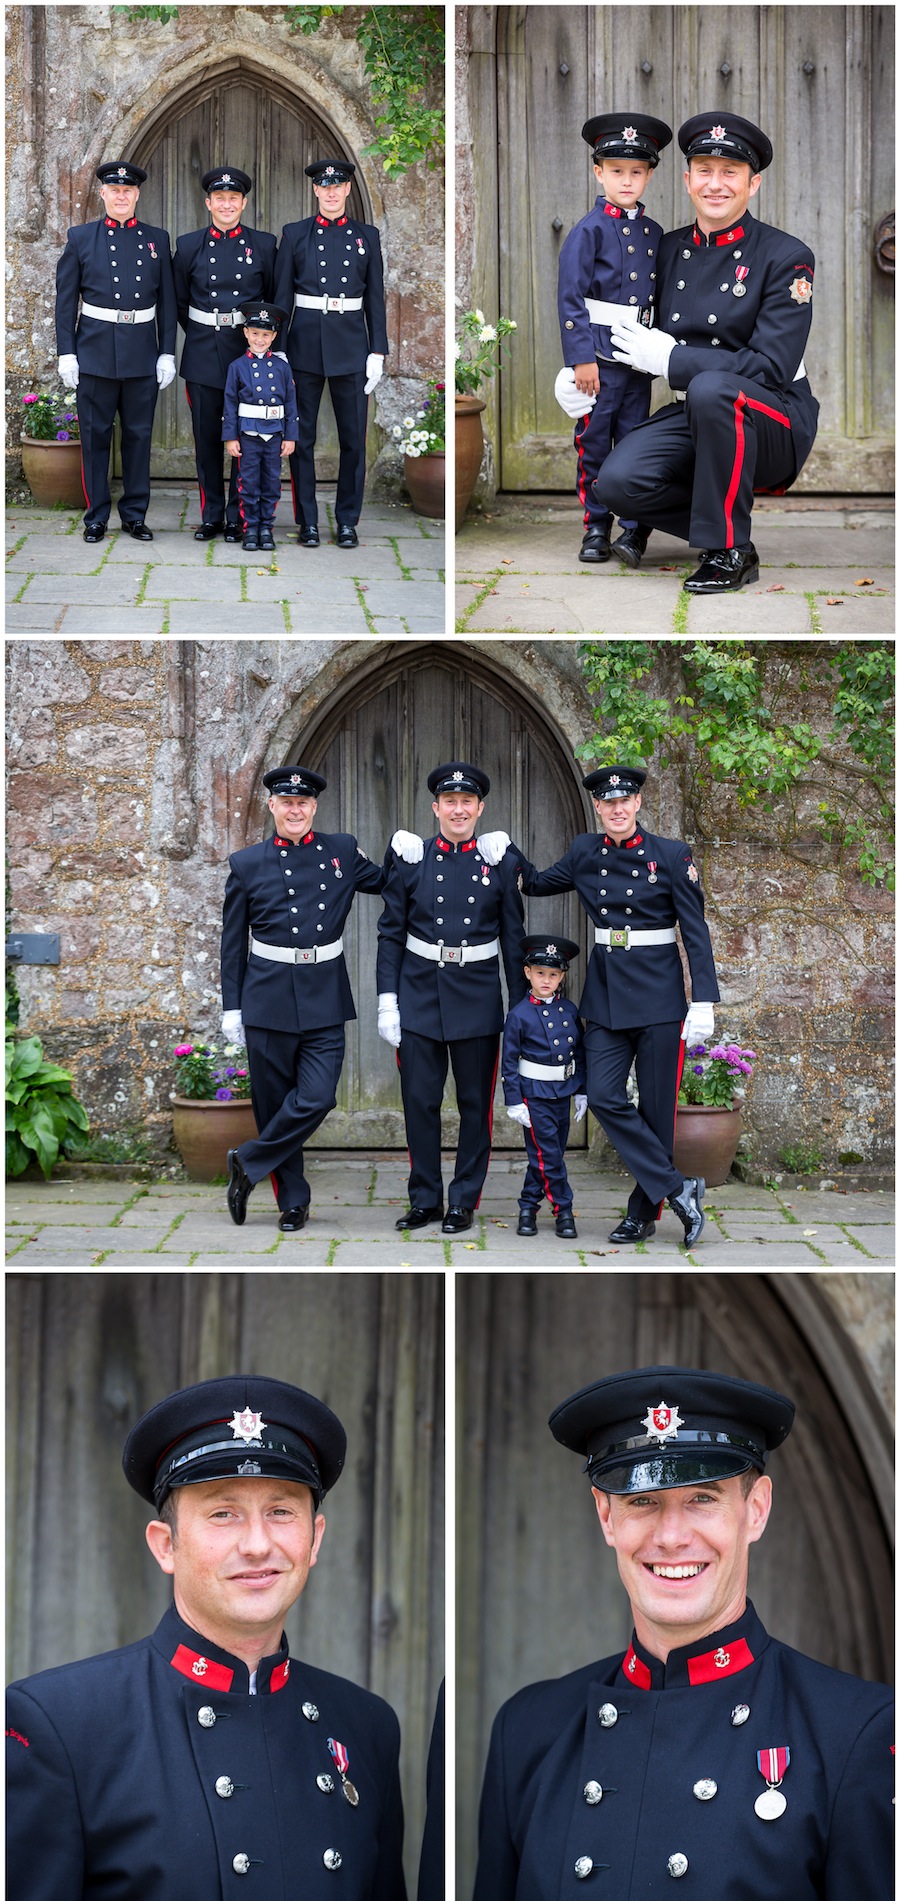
[(543, 1173), (681, 1056), (581, 477), (741, 403)]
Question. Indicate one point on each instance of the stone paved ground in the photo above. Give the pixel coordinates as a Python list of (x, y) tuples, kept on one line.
[(517, 571), (356, 1200), (392, 584)]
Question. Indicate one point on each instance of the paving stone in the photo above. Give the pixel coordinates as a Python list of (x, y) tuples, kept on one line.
[(144, 623)]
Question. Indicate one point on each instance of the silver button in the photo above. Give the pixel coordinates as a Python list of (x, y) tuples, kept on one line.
[(325, 1783), (677, 1865), (628, 910), (241, 1864), (714, 343), (602, 914), (320, 907), (608, 1715), (630, 891), (206, 1717), (224, 1786), (630, 250), (323, 887), (632, 277), (723, 286), (685, 254), (650, 253), (737, 253), (632, 300), (680, 284), (711, 318), (592, 1793), (705, 1789), (332, 1857), (626, 230), (583, 1867), (310, 1712), (675, 316), (739, 1715)]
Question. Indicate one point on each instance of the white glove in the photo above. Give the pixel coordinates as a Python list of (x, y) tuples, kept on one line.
[(389, 1018), (282, 358), (374, 373), (700, 1023), (67, 368), (647, 350), (518, 1112), (569, 398), (233, 1028), (493, 845), (165, 371), (408, 846), (580, 1107)]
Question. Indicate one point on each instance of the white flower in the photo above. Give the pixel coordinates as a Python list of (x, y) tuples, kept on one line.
[(408, 422), (412, 449), (420, 412), (479, 316), (512, 323), (487, 333), (396, 431)]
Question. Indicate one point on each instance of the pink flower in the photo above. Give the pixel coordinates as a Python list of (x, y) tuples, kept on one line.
[(184, 1049), (29, 399)]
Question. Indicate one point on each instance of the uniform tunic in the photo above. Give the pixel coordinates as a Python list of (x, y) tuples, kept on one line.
[(320, 257), (219, 271), (611, 255), (151, 1774), (676, 1761), (739, 305), (261, 382), (544, 1030), (127, 268)]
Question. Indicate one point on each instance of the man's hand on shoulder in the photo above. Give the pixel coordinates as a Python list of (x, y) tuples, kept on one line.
[(408, 846), (493, 846)]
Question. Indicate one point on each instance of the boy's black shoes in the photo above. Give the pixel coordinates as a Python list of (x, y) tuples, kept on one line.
[(527, 1221), (595, 546), (565, 1225)]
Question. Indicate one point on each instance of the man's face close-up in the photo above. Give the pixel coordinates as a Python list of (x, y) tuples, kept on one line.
[(241, 1554), (332, 198), (225, 208), (720, 189), (683, 1553), (619, 816), (457, 814), (293, 817), (120, 200)]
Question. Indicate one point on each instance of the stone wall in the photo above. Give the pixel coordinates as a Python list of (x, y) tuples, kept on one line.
[(82, 83), (135, 768)]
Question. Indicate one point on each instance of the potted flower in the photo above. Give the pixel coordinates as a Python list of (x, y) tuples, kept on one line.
[(479, 348), (211, 1105), (424, 447), (51, 448), (708, 1112)]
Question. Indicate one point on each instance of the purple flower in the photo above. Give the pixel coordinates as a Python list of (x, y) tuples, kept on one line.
[(698, 1069), (62, 435), (231, 1072), (223, 1095), (184, 1049), (719, 1053), (750, 1055), (699, 1049)]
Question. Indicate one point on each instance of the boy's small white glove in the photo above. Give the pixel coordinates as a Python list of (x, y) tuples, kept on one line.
[(581, 1104), (518, 1112), (408, 846), (493, 846)]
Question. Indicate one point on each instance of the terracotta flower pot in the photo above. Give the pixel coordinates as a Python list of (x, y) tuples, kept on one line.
[(469, 451), (205, 1131), (53, 472), (706, 1141), (425, 479)]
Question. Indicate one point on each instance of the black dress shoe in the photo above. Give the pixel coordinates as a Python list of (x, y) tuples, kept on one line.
[(631, 546), (565, 1225), (138, 530), (456, 1220), (266, 538), (527, 1221), (420, 1217), (233, 532), (308, 537), (687, 1206), (629, 1230), (346, 536), (291, 1220), (239, 1188), (595, 546), (208, 530), (250, 543), (95, 531), (723, 569)]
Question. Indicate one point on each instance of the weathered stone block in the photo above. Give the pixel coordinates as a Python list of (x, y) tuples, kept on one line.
[(131, 685), (107, 745)]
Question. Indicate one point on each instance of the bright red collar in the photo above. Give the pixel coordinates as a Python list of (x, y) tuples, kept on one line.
[(469, 844), (266, 353), (235, 232), (321, 220), (615, 211), (637, 838), (209, 1675), (717, 238), (114, 224), (307, 838), (724, 1661)]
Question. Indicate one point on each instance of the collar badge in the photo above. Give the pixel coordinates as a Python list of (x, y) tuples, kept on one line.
[(662, 1422), (199, 1666)]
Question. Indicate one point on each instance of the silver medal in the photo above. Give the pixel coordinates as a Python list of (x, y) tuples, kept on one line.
[(350, 1792), (738, 290), (770, 1804)]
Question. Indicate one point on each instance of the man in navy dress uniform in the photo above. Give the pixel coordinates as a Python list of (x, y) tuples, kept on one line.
[(329, 274), (205, 1753), (219, 272), (117, 352), (710, 1752), (607, 270), (543, 1070), (736, 296), (445, 921), (635, 888), (259, 423)]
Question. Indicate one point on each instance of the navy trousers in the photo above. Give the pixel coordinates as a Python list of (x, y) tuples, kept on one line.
[(259, 480), (423, 1064), (98, 398), (623, 402), (206, 405), (545, 1146), (293, 1086), (351, 407), (642, 1137)]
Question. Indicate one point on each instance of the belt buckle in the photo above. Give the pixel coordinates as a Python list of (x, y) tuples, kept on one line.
[(124, 316), (335, 303), (620, 940), (305, 956), (273, 413), (224, 319), (453, 955)]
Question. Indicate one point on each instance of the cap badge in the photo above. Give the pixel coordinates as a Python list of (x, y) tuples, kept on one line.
[(227, 178), (122, 172), (329, 171), (247, 1426), (614, 779), (295, 778), (662, 1422), (551, 950), (630, 133), (264, 315), (456, 776), (717, 132)]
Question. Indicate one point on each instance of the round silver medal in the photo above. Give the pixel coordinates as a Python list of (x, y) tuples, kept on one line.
[(350, 1792), (738, 290), (770, 1805)]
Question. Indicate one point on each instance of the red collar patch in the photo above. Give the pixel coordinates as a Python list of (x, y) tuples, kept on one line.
[(719, 1663), (308, 837), (637, 838), (321, 220), (280, 1675), (202, 1670), (635, 1670), (612, 211), (470, 844), (114, 224), (717, 238), (235, 232)]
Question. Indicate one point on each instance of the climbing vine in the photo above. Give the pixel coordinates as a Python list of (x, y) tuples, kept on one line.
[(403, 48), (724, 713)]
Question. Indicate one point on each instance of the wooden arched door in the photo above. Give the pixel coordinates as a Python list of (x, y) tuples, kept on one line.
[(241, 117)]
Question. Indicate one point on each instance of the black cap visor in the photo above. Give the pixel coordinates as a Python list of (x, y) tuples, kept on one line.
[(206, 1455), (664, 1471)]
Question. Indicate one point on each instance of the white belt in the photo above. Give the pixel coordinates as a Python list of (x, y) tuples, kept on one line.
[(220, 319), (442, 953), (679, 394), (119, 316), (340, 303), (274, 412), (547, 1072), (600, 312), (625, 938), (283, 954)]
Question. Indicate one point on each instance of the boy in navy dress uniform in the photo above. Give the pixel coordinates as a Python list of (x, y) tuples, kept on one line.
[(607, 271), (219, 272), (543, 1068), (709, 1753), (169, 1769), (259, 423)]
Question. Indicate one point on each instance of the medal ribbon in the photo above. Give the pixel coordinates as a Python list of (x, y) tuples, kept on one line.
[(772, 1763), (340, 1755)]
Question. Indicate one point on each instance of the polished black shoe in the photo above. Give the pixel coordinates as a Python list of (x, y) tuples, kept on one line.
[(234, 533), (291, 1220), (722, 569), (629, 1230), (208, 530), (595, 546), (250, 543), (457, 1220), (308, 537), (95, 531), (239, 1188), (527, 1221), (686, 1205), (565, 1225), (346, 536), (631, 546), (138, 530), (420, 1217), (266, 538)]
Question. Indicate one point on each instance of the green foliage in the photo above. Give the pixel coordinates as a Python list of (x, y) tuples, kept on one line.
[(205, 1076), (41, 1110), (802, 1158), (477, 342), (729, 725), (716, 1077), (403, 48), (849, 1157), (148, 13), (128, 1145), (50, 418)]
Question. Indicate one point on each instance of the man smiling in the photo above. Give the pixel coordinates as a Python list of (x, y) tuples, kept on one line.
[(205, 1752), (743, 1767)]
